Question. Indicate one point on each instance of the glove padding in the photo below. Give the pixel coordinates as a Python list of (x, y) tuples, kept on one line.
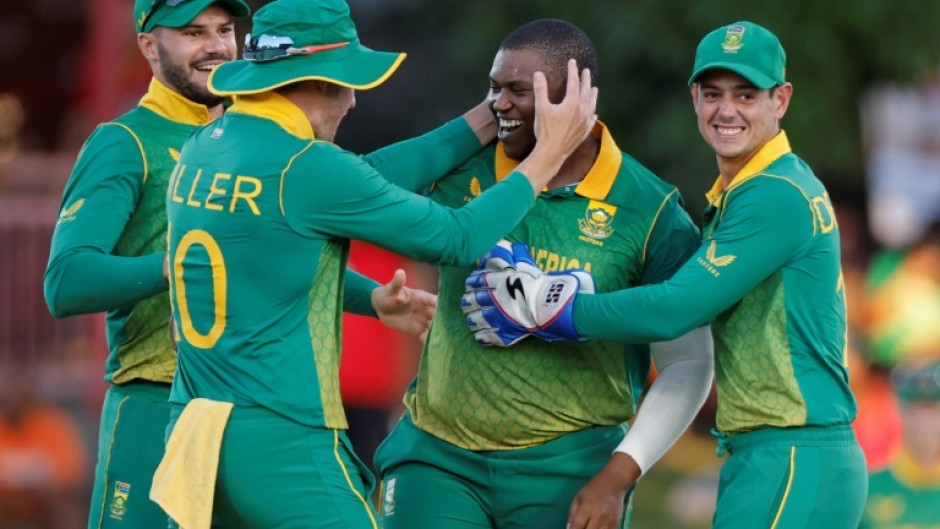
[(508, 298)]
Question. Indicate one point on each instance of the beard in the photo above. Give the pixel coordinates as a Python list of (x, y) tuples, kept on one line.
[(177, 76)]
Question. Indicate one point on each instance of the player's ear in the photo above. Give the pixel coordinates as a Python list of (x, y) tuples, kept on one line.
[(147, 42), (781, 96)]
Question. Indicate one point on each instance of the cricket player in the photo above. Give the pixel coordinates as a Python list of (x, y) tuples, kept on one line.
[(768, 277), (109, 244), (507, 438), (907, 493), (260, 209)]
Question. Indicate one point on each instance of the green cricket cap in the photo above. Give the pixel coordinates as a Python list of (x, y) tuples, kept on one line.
[(917, 382), (179, 13), (745, 48), (301, 40)]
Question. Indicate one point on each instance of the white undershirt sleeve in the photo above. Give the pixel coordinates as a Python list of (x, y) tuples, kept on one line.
[(686, 368)]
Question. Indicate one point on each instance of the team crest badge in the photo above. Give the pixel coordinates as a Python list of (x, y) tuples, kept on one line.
[(119, 501), (597, 220), (733, 38)]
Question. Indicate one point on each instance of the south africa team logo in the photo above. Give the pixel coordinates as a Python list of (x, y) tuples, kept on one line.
[(733, 38), (119, 501), (597, 221)]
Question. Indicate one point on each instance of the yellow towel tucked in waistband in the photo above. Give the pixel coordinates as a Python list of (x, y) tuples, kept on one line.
[(184, 483)]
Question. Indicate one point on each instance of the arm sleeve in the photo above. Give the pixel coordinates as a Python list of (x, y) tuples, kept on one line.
[(685, 367), (357, 294), (356, 202), (101, 195), (416, 163), (761, 229)]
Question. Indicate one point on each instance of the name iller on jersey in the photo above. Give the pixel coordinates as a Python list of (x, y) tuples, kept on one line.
[(223, 186)]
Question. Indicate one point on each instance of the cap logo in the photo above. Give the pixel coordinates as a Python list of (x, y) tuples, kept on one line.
[(733, 38)]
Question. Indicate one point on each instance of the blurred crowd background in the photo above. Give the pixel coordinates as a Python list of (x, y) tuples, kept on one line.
[(865, 115)]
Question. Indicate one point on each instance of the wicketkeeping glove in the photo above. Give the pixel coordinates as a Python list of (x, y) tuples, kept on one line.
[(508, 298)]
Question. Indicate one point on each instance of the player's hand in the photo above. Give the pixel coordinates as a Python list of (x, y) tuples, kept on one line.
[(566, 124), (600, 503), (508, 298), (404, 309)]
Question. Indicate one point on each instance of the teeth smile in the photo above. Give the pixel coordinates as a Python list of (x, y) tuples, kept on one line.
[(730, 131), (509, 124), (207, 67)]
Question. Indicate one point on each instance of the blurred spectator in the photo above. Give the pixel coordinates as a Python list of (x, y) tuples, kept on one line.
[(12, 117), (42, 460), (901, 129), (903, 317), (907, 493)]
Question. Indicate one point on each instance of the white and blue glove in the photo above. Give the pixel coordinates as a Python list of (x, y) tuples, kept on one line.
[(508, 298)]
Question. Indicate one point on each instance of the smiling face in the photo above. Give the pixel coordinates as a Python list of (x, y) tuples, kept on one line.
[(736, 118), (183, 58), (513, 100)]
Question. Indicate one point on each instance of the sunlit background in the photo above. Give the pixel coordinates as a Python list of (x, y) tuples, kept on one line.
[(865, 115)]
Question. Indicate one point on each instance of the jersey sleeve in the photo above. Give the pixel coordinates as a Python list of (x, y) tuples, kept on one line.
[(352, 200), (762, 228), (416, 163), (673, 239), (101, 195), (357, 293)]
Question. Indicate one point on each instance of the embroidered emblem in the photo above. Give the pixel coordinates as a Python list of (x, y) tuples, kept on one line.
[(733, 39), (721, 260), (68, 214), (475, 187), (119, 501), (597, 220)]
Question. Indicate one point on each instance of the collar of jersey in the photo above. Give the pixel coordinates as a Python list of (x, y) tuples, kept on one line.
[(910, 472), (173, 106), (277, 108), (773, 149), (597, 182)]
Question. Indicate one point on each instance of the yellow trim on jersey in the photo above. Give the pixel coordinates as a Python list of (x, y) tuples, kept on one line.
[(599, 179), (649, 234), (352, 487), (173, 106), (277, 108), (768, 154), (786, 492), (143, 155), (280, 193)]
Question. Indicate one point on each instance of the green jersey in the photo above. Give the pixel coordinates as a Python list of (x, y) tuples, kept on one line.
[(768, 276), (903, 496), (260, 214), (113, 218), (622, 224)]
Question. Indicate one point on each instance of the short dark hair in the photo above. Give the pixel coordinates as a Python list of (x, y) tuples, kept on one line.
[(556, 41)]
